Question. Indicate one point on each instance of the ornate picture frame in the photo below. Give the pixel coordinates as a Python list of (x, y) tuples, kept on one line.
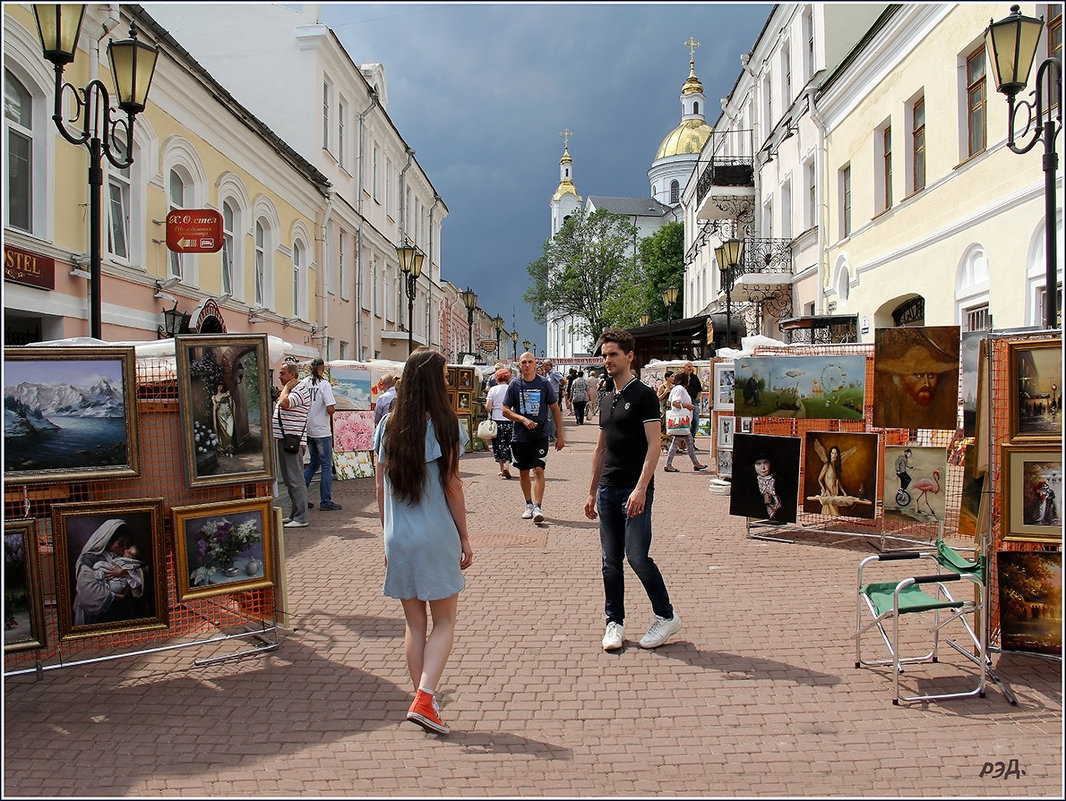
[(722, 390), (223, 547), (1031, 492), (72, 414), (225, 401), (110, 567), (1035, 390), (24, 625)]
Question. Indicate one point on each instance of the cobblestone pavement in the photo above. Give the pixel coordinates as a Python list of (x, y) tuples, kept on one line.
[(757, 696)]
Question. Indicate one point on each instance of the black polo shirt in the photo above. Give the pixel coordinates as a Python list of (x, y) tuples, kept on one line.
[(623, 414)]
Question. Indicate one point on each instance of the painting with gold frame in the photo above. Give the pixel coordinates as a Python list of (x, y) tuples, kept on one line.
[(70, 414), (24, 627), (1035, 390), (1032, 493), (223, 547), (110, 567)]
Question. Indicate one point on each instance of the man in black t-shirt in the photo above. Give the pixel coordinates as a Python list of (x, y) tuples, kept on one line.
[(621, 492)]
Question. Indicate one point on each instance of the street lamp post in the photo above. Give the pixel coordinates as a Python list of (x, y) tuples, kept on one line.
[(411, 260), (497, 322), (729, 255), (470, 301), (645, 318), (669, 296), (514, 343), (526, 345), (132, 67), (1011, 47)]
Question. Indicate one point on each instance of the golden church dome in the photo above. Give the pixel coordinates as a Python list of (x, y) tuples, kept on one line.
[(687, 138), (566, 187)]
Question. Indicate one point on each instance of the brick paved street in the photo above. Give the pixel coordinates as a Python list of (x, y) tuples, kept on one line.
[(757, 696)]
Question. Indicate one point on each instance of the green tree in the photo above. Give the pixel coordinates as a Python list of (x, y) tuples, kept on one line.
[(662, 262), (588, 270)]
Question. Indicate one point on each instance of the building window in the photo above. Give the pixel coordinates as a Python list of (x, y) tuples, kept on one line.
[(228, 240), (675, 192), (342, 262), (845, 201), (375, 175), (812, 207), (297, 278), (327, 103), (342, 142), (327, 258), (176, 193), (1054, 40), (388, 187), (18, 121), (883, 167), (808, 34), (975, 102), (918, 145), (976, 318), (1041, 303), (118, 228), (261, 246), (786, 59)]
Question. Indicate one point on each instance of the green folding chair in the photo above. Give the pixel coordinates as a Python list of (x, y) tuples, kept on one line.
[(887, 602)]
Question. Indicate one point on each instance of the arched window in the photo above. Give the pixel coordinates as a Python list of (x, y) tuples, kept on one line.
[(18, 130), (297, 278), (176, 200), (675, 192), (263, 252), (229, 244), (971, 290)]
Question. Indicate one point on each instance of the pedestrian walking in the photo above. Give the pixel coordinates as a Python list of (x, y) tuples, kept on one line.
[(555, 378), (579, 393), (386, 394), (529, 403), (621, 492), (422, 510), (320, 435), (679, 399), (501, 443), (290, 417), (695, 389)]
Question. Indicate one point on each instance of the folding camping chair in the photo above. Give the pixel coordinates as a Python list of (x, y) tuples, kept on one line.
[(889, 601)]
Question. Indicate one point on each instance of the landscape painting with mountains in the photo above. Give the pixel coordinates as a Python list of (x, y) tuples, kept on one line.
[(63, 415)]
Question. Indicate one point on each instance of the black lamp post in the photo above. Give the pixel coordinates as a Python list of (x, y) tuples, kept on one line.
[(411, 259), (526, 345), (729, 255), (645, 318), (175, 322), (497, 321), (470, 301), (669, 296), (514, 343), (1011, 46), (132, 66)]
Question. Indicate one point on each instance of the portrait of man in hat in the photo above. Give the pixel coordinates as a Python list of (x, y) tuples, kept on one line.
[(765, 477), (916, 377)]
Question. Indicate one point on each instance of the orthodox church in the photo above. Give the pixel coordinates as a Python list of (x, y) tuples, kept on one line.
[(670, 170)]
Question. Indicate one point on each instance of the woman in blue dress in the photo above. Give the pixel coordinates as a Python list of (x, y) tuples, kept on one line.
[(423, 513)]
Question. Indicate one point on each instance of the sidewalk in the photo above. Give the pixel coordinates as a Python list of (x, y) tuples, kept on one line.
[(757, 696)]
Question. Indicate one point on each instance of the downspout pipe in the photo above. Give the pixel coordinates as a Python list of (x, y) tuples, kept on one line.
[(362, 245), (819, 124), (436, 202), (323, 229)]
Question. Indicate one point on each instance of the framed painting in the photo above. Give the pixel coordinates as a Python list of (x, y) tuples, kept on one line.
[(24, 627), (970, 506), (453, 398), (453, 377), (915, 482), (726, 428), (1030, 601), (225, 400), (466, 378), (1036, 390), (765, 477), (983, 422), (840, 474), (744, 425), (916, 377), (463, 400), (223, 547), (811, 387), (1032, 493), (725, 463), (722, 387), (70, 414), (972, 351), (110, 567)]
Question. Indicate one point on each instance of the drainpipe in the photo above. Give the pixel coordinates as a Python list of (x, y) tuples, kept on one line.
[(320, 293), (362, 246), (820, 216), (436, 202)]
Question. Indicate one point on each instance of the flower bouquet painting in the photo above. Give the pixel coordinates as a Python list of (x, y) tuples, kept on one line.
[(223, 547)]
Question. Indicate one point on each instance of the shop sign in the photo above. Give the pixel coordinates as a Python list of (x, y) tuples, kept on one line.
[(194, 231), (23, 267), (488, 345)]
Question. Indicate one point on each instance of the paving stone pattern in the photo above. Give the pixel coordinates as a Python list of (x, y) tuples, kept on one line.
[(757, 696)]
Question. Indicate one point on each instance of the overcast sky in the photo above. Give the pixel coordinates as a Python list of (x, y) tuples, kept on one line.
[(482, 92)]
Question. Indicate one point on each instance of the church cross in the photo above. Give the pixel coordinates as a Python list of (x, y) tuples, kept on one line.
[(566, 134), (691, 44)]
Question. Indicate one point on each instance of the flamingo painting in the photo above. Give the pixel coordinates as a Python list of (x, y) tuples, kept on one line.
[(924, 486)]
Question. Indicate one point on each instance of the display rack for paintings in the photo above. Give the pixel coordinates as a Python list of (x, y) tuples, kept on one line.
[(878, 526), (247, 617)]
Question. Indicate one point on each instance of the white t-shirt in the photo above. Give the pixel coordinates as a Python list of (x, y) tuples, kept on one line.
[(317, 417), (680, 394), (495, 396)]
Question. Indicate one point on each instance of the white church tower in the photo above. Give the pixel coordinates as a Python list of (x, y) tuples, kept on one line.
[(566, 200), (681, 148)]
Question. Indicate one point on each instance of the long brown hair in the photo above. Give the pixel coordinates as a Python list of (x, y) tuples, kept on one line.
[(421, 395)]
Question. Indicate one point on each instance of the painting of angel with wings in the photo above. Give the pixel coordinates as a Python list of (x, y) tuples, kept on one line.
[(833, 489)]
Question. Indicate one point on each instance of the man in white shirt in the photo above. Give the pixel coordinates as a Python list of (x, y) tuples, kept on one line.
[(320, 435)]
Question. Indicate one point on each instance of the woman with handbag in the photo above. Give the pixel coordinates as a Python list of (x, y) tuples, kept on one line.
[(680, 399), (501, 443), (422, 510)]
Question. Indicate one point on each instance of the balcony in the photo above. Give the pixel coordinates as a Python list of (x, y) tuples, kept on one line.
[(725, 188), (765, 269)]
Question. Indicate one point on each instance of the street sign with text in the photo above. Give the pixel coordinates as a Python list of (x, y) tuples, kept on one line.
[(194, 231)]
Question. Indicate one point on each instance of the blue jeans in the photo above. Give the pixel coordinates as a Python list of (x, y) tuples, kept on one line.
[(321, 450), (628, 538)]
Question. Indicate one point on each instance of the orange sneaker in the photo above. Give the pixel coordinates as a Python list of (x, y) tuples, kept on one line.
[(425, 712)]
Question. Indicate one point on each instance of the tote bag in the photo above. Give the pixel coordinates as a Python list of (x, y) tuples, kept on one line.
[(678, 422)]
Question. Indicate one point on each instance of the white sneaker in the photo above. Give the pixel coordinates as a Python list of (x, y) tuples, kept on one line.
[(296, 524), (660, 631), (614, 636), (538, 515), (528, 513)]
